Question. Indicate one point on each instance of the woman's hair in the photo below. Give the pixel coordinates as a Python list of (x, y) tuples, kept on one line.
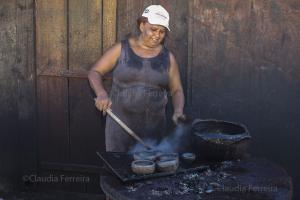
[(142, 19)]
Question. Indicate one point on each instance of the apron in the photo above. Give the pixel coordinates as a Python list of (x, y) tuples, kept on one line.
[(139, 98)]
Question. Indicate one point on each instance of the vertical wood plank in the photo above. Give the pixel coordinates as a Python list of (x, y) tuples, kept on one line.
[(26, 78), (203, 52), (25, 58), (53, 136), (109, 31), (109, 23), (51, 34), (86, 124), (85, 33), (7, 53), (219, 64), (9, 148)]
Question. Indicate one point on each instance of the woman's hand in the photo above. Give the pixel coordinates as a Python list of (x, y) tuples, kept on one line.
[(177, 116), (102, 102)]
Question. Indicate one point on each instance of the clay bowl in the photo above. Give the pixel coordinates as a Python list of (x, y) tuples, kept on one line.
[(167, 162), (143, 166), (168, 156), (146, 155), (188, 158)]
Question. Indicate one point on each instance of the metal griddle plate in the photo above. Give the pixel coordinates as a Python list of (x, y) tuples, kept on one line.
[(120, 164)]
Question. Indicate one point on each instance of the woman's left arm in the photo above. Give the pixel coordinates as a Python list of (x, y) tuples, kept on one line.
[(176, 90)]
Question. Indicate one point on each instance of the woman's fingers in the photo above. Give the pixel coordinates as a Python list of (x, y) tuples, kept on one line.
[(103, 103), (109, 103), (98, 104), (181, 118), (178, 117), (105, 106)]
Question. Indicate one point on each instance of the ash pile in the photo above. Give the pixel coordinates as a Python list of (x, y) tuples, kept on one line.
[(217, 182)]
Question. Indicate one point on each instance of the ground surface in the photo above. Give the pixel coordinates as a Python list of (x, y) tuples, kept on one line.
[(50, 196)]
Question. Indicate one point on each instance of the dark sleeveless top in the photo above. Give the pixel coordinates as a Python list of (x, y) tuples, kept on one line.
[(138, 97)]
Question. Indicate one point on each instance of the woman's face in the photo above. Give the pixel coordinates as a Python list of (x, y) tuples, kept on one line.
[(152, 35)]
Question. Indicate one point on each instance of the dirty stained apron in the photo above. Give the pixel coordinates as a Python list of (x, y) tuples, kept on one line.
[(138, 97)]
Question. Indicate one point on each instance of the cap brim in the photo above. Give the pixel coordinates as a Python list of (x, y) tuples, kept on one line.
[(158, 22)]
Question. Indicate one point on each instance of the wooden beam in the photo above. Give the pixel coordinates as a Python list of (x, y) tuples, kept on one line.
[(66, 73)]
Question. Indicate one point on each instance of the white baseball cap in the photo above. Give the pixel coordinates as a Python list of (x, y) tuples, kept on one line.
[(157, 15)]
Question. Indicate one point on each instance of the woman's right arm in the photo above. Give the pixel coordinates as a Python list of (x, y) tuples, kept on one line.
[(104, 65)]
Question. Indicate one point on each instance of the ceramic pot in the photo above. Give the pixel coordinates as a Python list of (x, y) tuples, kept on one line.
[(143, 166)]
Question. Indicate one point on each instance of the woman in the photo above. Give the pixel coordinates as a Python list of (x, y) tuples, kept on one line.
[(143, 70)]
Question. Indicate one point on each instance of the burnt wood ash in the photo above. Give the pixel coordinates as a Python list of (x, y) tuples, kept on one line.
[(254, 179)]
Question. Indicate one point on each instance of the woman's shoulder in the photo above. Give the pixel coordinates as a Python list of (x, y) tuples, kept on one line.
[(115, 47), (113, 52), (132, 41)]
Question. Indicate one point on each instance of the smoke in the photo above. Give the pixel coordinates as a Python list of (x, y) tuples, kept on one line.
[(139, 147), (171, 143)]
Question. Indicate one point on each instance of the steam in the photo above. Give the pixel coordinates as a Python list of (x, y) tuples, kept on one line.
[(169, 144)]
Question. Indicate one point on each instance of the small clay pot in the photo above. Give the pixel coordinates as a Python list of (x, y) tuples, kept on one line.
[(146, 155), (168, 162), (143, 166), (167, 165), (188, 157)]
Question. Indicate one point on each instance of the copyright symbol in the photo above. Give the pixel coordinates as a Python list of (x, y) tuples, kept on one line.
[(25, 178)]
